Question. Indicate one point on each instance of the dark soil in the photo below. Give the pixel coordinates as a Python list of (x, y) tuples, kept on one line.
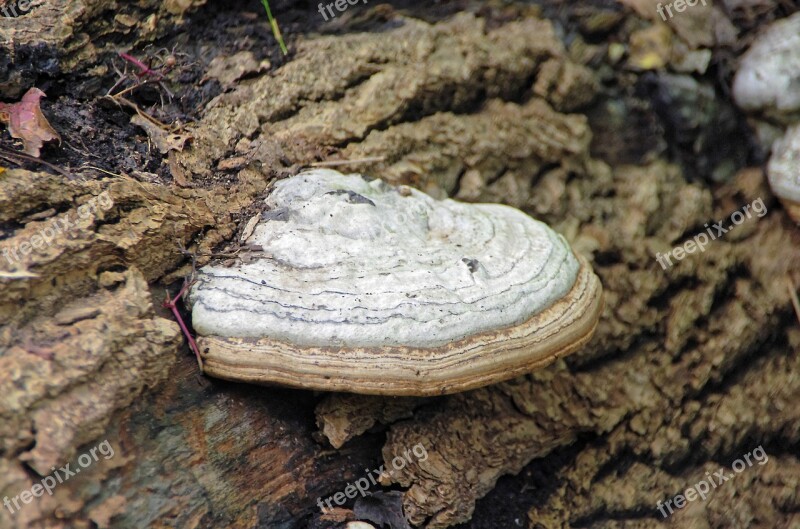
[(96, 131)]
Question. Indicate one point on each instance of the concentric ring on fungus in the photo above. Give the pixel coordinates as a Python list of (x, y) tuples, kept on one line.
[(369, 288)]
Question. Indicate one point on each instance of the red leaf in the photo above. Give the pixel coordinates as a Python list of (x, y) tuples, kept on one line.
[(27, 123)]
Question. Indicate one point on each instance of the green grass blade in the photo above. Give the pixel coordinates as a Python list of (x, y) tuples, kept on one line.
[(275, 29)]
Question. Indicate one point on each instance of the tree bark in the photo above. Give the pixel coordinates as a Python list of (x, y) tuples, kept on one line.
[(692, 366)]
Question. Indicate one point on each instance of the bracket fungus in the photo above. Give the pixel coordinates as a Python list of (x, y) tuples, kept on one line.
[(783, 171), (768, 83), (369, 288), (767, 78)]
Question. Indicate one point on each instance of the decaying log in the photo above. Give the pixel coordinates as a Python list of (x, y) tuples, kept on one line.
[(395, 99), (691, 367), (649, 403), (62, 36), (344, 416), (666, 394)]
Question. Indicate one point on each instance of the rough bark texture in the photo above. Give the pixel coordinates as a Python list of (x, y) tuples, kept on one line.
[(691, 367), (663, 402), (63, 35)]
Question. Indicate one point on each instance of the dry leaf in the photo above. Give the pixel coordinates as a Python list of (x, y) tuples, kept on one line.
[(163, 140), (180, 175), (27, 123), (249, 228)]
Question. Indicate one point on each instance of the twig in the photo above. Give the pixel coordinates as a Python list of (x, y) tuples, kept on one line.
[(171, 304), (793, 296), (87, 166), (18, 274), (154, 76), (227, 255), (127, 102), (143, 68), (84, 152), (336, 163), (132, 88), (187, 253), (15, 157), (122, 77)]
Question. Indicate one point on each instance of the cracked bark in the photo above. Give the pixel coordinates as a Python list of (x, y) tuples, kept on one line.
[(691, 367)]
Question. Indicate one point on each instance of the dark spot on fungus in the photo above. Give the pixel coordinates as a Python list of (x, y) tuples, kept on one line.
[(472, 264), (352, 197), (279, 214)]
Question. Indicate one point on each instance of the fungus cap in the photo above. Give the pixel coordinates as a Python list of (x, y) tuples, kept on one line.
[(369, 288), (768, 71), (783, 171)]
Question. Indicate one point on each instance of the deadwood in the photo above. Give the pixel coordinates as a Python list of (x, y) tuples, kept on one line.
[(691, 366)]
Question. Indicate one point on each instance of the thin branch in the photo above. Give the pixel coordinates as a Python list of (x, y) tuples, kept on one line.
[(793, 296), (87, 166), (15, 157), (336, 163), (171, 304)]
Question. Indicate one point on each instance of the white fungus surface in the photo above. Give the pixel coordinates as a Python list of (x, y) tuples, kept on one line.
[(769, 73), (783, 169), (351, 262)]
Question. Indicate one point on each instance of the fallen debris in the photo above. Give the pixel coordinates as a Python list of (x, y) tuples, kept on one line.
[(27, 123)]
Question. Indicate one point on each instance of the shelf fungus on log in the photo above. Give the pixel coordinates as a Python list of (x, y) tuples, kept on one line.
[(767, 84), (369, 288), (766, 80), (783, 171)]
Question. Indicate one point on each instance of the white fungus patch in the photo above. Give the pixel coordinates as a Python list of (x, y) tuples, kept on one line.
[(783, 168), (769, 74), (357, 263)]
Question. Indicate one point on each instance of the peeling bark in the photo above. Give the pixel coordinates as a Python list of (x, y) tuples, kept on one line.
[(691, 366)]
